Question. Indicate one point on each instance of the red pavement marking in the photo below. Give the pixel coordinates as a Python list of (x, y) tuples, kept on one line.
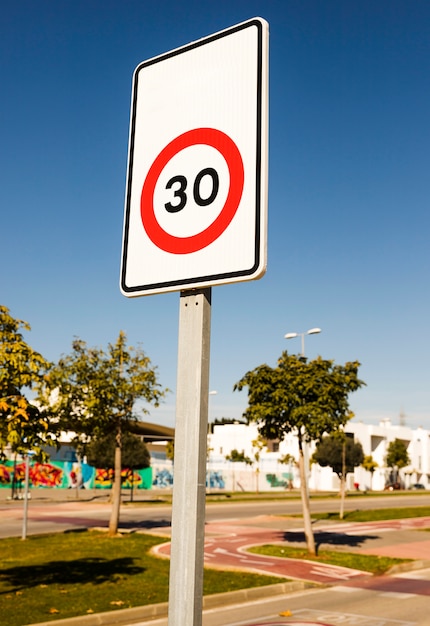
[(56, 513), (419, 550), (229, 551), (394, 584), (412, 523), (87, 522), (283, 624), (227, 542)]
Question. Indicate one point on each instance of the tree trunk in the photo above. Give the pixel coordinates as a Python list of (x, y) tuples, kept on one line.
[(342, 482), (304, 492), (78, 475), (14, 479), (342, 496), (116, 488)]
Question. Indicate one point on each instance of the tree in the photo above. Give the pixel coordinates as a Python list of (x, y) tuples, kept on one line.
[(309, 399), (329, 452), (396, 458), (170, 450), (94, 393), (238, 457), (23, 425), (288, 459), (134, 453), (221, 421), (258, 446), (369, 465), (342, 454)]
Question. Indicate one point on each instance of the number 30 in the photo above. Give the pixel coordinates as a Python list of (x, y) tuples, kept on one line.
[(182, 196)]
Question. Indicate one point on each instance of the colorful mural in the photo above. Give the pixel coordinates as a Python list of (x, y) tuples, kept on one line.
[(72, 475), (137, 479), (215, 479), (163, 477), (69, 475)]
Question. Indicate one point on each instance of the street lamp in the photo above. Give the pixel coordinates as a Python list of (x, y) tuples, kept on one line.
[(211, 393), (311, 331)]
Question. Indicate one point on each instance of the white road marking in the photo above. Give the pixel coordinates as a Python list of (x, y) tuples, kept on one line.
[(398, 595)]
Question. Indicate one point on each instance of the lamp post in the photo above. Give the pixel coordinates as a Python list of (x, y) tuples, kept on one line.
[(311, 331), (27, 495), (211, 393), (209, 450)]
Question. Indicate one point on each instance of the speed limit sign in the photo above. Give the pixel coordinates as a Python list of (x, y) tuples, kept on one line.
[(196, 197)]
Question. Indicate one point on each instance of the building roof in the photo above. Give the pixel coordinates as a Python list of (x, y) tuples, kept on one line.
[(152, 432)]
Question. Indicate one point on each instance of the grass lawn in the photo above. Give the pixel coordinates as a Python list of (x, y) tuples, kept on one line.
[(76, 573), (376, 514), (367, 563)]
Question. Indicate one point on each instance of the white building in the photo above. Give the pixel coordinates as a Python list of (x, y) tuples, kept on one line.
[(265, 469), (375, 441)]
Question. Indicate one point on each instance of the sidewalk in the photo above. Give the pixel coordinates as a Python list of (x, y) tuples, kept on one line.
[(48, 494)]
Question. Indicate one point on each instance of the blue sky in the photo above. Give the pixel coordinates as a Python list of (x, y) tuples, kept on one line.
[(349, 189)]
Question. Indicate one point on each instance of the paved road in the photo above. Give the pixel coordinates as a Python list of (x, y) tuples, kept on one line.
[(45, 515), (402, 600)]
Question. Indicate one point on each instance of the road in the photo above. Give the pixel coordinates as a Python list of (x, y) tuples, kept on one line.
[(46, 516), (402, 600)]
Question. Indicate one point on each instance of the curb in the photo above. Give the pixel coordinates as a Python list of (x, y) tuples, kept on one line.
[(139, 613), (125, 617), (407, 567)]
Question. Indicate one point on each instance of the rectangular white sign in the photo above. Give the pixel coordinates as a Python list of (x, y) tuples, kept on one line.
[(196, 198)]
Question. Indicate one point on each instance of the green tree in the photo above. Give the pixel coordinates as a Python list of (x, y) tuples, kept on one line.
[(288, 459), (23, 425), (170, 450), (342, 454), (134, 453), (238, 457), (397, 457), (95, 392), (369, 465), (308, 398), (258, 446)]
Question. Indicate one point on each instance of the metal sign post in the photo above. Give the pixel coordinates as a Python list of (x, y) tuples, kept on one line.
[(195, 217), (189, 487)]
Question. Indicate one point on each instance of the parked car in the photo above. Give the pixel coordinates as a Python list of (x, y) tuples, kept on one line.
[(392, 487), (416, 486)]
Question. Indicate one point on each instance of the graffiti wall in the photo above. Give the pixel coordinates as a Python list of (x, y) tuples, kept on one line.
[(68, 475)]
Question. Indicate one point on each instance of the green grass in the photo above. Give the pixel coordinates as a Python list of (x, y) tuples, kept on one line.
[(376, 514), (65, 575), (366, 563)]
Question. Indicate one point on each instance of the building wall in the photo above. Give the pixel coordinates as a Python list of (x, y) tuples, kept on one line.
[(270, 473), (266, 474)]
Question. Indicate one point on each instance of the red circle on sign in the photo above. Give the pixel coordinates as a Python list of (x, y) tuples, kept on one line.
[(185, 245)]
